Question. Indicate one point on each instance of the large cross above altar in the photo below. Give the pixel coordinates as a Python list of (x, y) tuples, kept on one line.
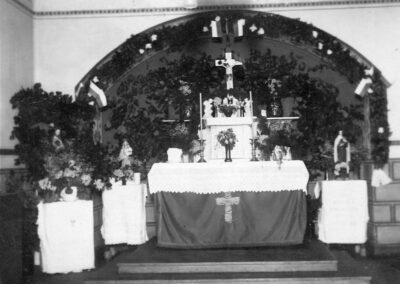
[(228, 63)]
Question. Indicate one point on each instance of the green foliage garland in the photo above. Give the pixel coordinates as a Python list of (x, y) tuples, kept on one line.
[(176, 37)]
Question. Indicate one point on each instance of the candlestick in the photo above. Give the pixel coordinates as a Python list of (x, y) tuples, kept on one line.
[(202, 160), (201, 117), (253, 150)]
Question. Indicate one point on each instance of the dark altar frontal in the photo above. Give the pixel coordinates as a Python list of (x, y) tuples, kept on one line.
[(240, 205)]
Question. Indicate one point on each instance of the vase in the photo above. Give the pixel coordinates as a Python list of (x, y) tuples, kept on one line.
[(275, 108), (228, 157), (229, 112), (186, 110)]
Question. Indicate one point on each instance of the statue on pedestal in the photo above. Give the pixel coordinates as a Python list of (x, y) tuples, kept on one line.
[(247, 107), (208, 108), (341, 156)]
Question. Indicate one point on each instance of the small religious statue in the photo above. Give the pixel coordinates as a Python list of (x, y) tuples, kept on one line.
[(124, 154), (230, 100), (247, 108), (56, 141), (288, 153), (208, 108), (277, 155), (341, 156)]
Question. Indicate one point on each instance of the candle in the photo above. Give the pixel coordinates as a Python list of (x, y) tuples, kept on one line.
[(201, 117), (251, 104), (254, 128)]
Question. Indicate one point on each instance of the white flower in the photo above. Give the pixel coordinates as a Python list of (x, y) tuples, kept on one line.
[(43, 183), (141, 51), (69, 173), (148, 45), (118, 173), (58, 175), (253, 28), (381, 130), (153, 37), (205, 29), (99, 184), (86, 179), (261, 31)]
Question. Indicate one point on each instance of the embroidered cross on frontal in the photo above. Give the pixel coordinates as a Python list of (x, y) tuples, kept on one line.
[(228, 201)]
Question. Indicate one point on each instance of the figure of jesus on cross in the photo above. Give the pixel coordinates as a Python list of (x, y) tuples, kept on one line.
[(228, 63)]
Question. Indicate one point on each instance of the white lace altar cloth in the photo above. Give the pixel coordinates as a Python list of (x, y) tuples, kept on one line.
[(343, 216), (124, 214), (218, 177), (65, 231)]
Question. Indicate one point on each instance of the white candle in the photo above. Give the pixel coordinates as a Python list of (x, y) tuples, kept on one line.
[(251, 104), (201, 117), (254, 128)]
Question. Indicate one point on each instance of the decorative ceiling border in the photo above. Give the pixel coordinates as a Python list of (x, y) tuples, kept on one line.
[(155, 10)]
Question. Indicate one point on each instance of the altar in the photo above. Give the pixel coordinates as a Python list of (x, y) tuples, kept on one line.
[(205, 205)]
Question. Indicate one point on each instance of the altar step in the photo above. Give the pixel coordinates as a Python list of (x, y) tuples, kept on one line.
[(295, 280), (310, 263)]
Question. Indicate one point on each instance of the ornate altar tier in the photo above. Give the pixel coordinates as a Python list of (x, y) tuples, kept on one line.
[(241, 126)]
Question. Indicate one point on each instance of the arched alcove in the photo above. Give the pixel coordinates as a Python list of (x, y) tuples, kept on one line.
[(141, 77)]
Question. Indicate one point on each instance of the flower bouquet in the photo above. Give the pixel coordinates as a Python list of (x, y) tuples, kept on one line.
[(180, 136), (125, 165), (227, 138), (228, 110), (68, 178)]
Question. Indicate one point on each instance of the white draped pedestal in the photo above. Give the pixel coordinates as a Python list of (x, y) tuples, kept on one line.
[(124, 214), (241, 126), (343, 216), (65, 231)]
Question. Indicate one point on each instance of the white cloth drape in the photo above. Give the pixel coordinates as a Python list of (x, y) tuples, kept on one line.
[(124, 214), (65, 231), (343, 216), (209, 177), (379, 178)]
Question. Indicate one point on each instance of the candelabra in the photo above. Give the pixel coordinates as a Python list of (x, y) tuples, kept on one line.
[(202, 160), (253, 150)]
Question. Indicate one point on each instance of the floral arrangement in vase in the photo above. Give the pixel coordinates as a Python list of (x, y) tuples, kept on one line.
[(180, 136), (68, 178), (227, 110), (125, 166), (227, 138)]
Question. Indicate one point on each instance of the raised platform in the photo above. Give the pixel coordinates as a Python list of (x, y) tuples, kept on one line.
[(311, 262), (151, 259)]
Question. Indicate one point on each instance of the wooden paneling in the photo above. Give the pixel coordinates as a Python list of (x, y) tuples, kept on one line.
[(10, 239)]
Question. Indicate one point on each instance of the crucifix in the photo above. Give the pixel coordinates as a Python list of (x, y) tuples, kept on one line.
[(228, 201), (228, 63)]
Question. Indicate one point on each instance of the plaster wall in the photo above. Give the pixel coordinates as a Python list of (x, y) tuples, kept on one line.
[(16, 67)]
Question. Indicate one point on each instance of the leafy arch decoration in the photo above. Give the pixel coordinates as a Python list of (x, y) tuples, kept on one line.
[(139, 101)]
